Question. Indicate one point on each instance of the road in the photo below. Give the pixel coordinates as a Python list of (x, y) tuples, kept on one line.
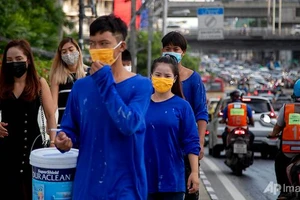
[(223, 185), (258, 182)]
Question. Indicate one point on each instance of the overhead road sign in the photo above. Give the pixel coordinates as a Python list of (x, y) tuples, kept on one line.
[(210, 23)]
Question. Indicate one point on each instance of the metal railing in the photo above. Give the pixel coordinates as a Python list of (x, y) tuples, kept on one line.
[(250, 32)]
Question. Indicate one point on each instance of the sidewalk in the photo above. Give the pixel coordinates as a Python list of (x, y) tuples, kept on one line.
[(203, 194)]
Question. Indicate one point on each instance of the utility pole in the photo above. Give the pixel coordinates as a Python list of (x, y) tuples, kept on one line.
[(279, 17), (150, 37), (165, 17), (273, 22), (269, 13), (132, 41), (60, 31), (81, 17)]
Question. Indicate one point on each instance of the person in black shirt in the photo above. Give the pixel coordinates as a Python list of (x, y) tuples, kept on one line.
[(66, 68)]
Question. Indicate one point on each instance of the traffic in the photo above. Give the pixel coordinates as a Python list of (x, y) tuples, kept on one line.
[(242, 153)]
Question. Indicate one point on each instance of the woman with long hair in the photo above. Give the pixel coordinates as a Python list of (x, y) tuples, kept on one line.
[(66, 68), (22, 92), (171, 133)]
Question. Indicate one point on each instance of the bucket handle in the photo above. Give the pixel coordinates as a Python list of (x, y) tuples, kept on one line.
[(46, 144)]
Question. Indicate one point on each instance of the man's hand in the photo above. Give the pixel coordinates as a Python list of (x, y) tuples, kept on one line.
[(272, 135), (276, 130), (193, 182), (52, 145), (222, 121), (63, 142), (97, 65)]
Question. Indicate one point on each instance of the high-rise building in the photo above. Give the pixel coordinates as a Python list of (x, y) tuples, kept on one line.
[(71, 8)]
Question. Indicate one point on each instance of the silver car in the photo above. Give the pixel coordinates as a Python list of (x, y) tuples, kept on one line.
[(259, 105)]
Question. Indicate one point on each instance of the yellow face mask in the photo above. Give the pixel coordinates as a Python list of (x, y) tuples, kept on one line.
[(104, 55), (162, 84)]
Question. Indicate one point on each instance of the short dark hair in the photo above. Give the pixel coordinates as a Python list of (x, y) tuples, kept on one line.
[(110, 23), (126, 55), (176, 39), (171, 60)]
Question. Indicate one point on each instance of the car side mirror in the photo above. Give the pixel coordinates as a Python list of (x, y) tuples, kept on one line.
[(265, 118)]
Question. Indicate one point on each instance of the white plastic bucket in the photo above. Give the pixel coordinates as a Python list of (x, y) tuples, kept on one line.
[(52, 173)]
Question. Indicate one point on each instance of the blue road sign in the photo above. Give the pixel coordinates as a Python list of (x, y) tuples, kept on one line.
[(211, 11)]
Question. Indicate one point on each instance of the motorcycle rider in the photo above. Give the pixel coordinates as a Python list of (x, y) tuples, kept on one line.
[(288, 124), (238, 119)]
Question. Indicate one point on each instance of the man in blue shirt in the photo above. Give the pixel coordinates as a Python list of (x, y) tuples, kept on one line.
[(105, 118)]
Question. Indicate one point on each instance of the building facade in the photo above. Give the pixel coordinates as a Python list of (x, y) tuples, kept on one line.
[(71, 8)]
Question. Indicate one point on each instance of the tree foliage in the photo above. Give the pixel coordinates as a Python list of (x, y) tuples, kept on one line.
[(39, 22), (142, 55), (142, 41)]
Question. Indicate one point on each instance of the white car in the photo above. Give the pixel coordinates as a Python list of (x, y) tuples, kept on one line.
[(259, 106), (295, 30)]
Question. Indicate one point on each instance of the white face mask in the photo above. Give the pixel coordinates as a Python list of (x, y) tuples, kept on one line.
[(128, 68), (71, 58)]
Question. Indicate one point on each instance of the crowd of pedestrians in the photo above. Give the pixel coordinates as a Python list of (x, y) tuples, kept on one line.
[(138, 137)]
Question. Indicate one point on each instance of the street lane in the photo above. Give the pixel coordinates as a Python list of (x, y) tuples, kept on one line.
[(250, 185)]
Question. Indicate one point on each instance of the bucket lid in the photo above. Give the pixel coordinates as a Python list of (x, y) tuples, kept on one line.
[(52, 156)]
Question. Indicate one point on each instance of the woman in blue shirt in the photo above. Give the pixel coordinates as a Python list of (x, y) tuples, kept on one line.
[(171, 133)]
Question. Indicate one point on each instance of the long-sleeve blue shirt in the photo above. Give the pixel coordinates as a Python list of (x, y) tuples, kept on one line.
[(107, 122), (194, 92), (171, 133)]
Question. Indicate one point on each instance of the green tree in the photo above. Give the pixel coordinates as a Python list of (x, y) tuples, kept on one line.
[(142, 40), (190, 61), (39, 22), (142, 55)]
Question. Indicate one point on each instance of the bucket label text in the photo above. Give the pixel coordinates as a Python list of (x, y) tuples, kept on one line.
[(53, 175)]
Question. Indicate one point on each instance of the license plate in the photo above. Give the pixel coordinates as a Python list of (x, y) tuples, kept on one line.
[(239, 148)]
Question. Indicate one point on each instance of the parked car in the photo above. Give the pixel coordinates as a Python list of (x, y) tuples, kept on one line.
[(259, 105), (295, 30)]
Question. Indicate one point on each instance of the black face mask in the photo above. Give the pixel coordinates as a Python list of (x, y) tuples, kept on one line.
[(17, 69)]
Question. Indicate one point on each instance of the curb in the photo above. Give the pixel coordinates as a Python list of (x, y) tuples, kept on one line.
[(209, 193)]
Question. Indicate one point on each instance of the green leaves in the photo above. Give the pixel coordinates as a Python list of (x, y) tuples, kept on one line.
[(39, 22)]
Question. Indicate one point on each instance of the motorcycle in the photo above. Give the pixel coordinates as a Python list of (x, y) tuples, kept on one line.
[(238, 154), (292, 170), (293, 174)]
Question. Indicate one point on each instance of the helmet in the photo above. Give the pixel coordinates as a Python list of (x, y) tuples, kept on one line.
[(235, 95), (296, 92)]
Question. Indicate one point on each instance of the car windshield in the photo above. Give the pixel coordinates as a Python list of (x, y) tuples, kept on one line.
[(213, 86), (257, 105), (279, 103), (296, 26)]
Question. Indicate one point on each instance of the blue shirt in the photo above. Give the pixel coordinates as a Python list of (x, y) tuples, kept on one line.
[(194, 92), (171, 133), (106, 120)]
